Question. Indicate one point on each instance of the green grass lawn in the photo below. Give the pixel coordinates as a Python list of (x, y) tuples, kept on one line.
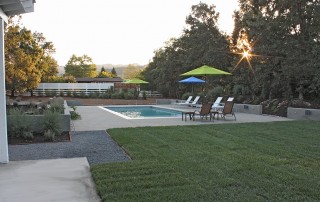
[(277, 161)]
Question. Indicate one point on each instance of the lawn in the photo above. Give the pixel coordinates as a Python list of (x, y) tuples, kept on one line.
[(277, 161)]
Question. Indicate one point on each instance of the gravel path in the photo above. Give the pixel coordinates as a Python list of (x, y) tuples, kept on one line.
[(97, 146)]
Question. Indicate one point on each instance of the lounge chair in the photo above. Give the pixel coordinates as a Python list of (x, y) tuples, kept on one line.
[(217, 104), (187, 102), (204, 111), (227, 109), (195, 101), (230, 99)]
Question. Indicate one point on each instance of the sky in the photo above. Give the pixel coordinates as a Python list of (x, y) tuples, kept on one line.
[(115, 31)]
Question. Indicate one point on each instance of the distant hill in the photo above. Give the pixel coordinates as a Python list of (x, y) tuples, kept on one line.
[(118, 67)]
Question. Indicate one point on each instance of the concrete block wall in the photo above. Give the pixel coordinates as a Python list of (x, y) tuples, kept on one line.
[(303, 114), (248, 108), (65, 119), (163, 101)]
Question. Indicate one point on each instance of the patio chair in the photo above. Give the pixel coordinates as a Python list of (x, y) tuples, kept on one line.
[(217, 104), (204, 111), (195, 101), (227, 110), (187, 102)]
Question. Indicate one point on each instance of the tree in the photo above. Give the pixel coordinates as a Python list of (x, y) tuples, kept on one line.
[(81, 67), (48, 67), (102, 69), (47, 64), (22, 55), (131, 71), (285, 35), (201, 43), (63, 79), (104, 74), (113, 72)]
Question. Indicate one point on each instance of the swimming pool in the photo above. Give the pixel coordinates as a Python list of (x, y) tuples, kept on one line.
[(133, 112)]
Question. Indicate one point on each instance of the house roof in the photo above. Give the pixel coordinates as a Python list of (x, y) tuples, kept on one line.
[(15, 7), (108, 80)]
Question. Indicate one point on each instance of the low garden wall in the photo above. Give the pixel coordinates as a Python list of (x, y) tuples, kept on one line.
[(165, 101), (248, 108), (242, 108), (65, 119), (303, 114)]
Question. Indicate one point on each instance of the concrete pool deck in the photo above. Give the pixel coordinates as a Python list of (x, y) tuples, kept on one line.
[(95, 118)]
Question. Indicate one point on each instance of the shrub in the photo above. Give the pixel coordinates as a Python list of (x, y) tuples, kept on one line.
[(82, 94), (241, 90), (53, 93), (49, 135), (69, 93), (27, 135), (186, 95), (15, 104), (46, 93), (56, 105), (94, 95), (51, 121), (105, 95), (144, 95), (115, 96), (74, 114), (18, 124), (215, 92), (128, 96), (74, 93), (121, 95), (237, 90)]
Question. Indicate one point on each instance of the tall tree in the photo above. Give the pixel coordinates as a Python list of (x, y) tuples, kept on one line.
[(47, 64), (81, 67), (201, 43), (102, 69), (22, 55), (114, 72), (285, 35)]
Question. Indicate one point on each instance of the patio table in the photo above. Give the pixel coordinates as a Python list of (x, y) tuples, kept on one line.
[(191, 115)]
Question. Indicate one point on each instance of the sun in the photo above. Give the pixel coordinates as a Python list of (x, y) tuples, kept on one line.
[(244, 48), (246, 54)]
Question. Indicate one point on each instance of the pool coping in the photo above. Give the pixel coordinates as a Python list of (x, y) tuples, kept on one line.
[(141, 118)]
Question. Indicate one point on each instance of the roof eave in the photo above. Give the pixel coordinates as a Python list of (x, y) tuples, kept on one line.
[(15, 7)]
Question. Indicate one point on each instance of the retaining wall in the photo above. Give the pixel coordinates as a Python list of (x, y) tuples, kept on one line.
[(303, 114), (65, 119), (248, 108)]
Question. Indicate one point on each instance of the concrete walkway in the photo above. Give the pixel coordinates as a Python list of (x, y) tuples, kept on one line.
[(47, 180)]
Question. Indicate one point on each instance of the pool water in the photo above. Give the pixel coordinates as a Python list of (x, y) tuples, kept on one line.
[(145, 111)]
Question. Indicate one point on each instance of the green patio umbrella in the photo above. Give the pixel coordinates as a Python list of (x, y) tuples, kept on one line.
[(204, 71), (135, 81)]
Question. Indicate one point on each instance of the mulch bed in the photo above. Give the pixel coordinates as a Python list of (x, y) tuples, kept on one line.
[(39, 138)]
